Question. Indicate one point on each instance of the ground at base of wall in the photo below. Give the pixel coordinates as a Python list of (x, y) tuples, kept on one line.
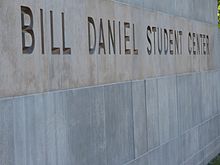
[(215, 161)]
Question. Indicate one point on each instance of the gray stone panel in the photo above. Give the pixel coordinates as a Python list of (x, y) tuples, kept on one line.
[(213, 129), (218, 41), (35, 129), (209, 94), (166, 154), (201, 163), (184, 106), (189, 95), (154, 157), (196, 98), (169, 153), (143, 160), (216, 48), (206, 96), (61, 128), (167, 101), (137, 3), (6, 133), (152, 113), (64, 128), (50, 133), (19, 131), (210, 149), (203, 11), (200, 10), (218, 120), (195, 159), (188, 144), (214, 91), (203, 133), (35, 138), (164, 6), (140, 118), (119, 123), (31, 131), (218, 91), (84, 115)]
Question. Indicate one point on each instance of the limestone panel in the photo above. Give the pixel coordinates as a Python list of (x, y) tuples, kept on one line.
[(209, 94), (50, 128), (191, 9), (152, 113), (167, 101), (197, 158), (123, 27), (140, 118), (204, 136), (6, 133), (188, 144), (140, 161), (154, 157), (83, 127), (169, 153), (196, 99), (184, 106), (119, 123), (19, 132)]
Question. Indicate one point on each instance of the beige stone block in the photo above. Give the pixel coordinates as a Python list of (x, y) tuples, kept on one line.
[(36, 72)]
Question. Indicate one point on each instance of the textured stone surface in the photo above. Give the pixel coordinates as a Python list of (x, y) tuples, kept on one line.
[(122, 124), (196, 99), (167, 105), (119, 123), (152, 113), (7, 145), (168, 153), (83, 126), (140, 118), (39, 73), (209, 94), (184, 96), (195, 159), (204, 134), (188, 144), (50, 128), (191, 9), (156, 110)]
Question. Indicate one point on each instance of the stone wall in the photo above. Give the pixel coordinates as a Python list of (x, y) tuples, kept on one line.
[(168, 117), (198, 10), (166, 120), (41, 72)]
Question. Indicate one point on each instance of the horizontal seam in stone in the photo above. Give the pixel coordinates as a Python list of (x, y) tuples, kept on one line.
[(166, 13), (107, 84)]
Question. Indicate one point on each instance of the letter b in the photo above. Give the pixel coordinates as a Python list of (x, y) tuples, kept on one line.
[(27, 29)]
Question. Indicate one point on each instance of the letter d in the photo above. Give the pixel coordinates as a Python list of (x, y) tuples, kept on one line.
[(91, 23), (27, 29)]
